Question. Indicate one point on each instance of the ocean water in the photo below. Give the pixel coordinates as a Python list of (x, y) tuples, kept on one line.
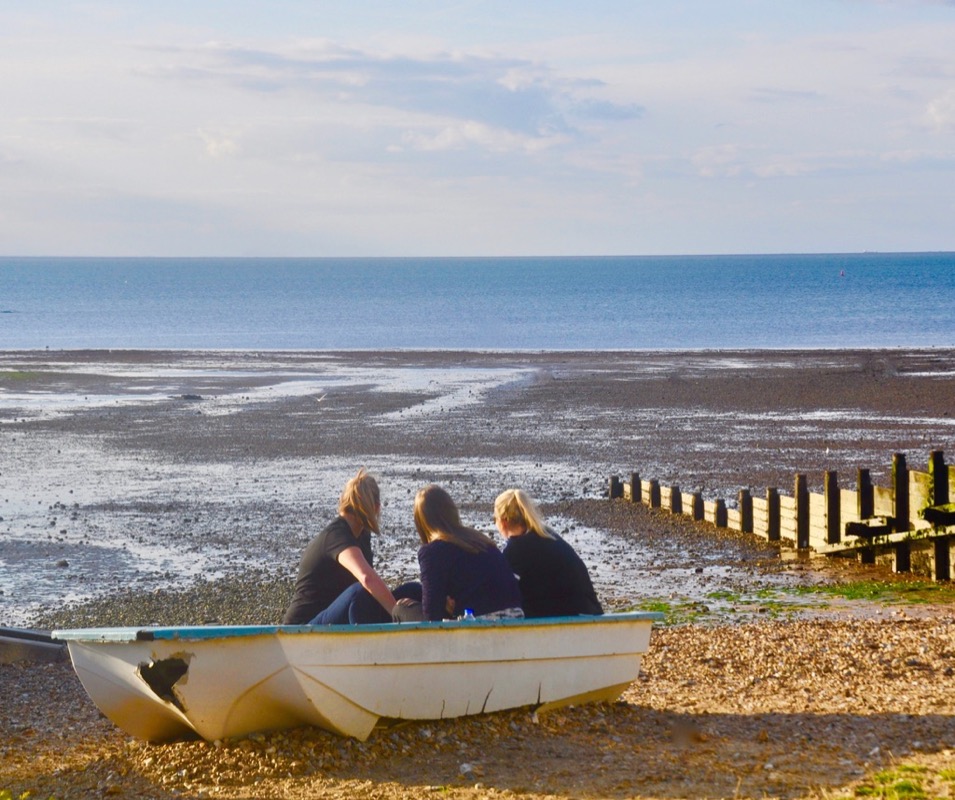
[(864, 300)]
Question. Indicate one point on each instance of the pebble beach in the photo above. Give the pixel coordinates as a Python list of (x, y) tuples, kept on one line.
[(151, 487)]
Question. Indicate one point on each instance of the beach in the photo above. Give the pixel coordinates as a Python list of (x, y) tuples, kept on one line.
[(178, 487)]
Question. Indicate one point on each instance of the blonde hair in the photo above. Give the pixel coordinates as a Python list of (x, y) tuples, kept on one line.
[(515, 507), (362, 498), (436, 517)]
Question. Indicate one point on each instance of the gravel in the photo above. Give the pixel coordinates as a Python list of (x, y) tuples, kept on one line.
[(771, 709)]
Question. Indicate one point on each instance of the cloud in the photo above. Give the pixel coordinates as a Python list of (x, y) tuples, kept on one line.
[(737, 162), (924, 160), (600, 131), (941, 112), (219, 145), (510, 94), (924, 67), (469, 134), (777, 95), (722, 161), (111, 129)]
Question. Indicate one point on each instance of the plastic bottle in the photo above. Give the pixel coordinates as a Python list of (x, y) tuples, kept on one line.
[(468, 615)]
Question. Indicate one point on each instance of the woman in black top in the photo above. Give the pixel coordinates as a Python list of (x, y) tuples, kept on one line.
[(554, 581), (337, 583), (461, 568)]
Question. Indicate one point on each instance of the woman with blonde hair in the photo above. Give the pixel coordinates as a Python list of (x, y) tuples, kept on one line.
[(337, 583), (554, 582), (461, 568)]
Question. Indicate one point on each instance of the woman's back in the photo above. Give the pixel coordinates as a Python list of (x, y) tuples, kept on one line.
[(554, 581), (482, 581)]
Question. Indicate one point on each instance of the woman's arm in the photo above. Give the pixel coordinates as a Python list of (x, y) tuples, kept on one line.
[(351, 558)]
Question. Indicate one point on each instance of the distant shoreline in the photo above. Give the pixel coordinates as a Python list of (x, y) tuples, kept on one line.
[(112, 352)]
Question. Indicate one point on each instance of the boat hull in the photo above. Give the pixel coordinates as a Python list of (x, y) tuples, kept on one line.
[(219, 682)]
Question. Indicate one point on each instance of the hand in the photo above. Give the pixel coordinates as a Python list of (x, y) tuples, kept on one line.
[(407, 610)]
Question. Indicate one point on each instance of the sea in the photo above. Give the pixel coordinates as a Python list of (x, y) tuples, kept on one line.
[(802, 301)]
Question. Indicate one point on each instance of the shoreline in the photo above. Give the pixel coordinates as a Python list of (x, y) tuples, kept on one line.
[(450, 351)]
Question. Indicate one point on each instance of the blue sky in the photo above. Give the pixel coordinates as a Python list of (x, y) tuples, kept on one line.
[(476, 128)]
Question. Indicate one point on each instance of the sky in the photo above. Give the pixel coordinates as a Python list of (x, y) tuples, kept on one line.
[(470, 128)]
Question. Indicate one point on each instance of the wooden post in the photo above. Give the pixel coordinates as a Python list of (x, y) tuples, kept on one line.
[(720, 513), (654, 493), (900, 491), (676, 500), (616, 488), (866, 495), (699, 514), (938, 474), (943, 567), (903, 557), (636, 488), (772, 512), (801, 494), (745, 511), (831, 484)]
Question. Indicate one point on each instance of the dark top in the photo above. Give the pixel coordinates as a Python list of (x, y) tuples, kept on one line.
[(320, 577), (553, 580), (483, 582)]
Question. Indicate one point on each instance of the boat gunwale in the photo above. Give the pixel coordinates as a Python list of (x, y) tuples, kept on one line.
[(212, 632)]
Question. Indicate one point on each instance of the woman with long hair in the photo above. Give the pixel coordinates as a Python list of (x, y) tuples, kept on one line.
[(337, 583), (461, 568), (554, 581)]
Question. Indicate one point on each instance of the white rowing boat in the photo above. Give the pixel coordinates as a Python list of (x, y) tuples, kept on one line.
[(219, 682)]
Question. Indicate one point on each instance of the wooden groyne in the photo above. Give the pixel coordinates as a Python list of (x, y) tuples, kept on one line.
[(909, 525)]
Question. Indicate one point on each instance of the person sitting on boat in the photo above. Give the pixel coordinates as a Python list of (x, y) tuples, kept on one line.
[(554, 581), (461, 568), (337, 583)]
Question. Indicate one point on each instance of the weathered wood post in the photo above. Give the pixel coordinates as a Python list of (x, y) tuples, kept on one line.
[(773, 533), (616, 488), (903, 557), (676, 500), (938, 476), (833, 521), (745, 511), (699, 512), (865, 505), (636, 488), (801, 495), (943, 567), (900, 492), (719, 513), (654, 492), (866, 495)]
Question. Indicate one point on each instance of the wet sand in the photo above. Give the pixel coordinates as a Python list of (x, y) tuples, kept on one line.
[(146, 469), (181, 487)]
